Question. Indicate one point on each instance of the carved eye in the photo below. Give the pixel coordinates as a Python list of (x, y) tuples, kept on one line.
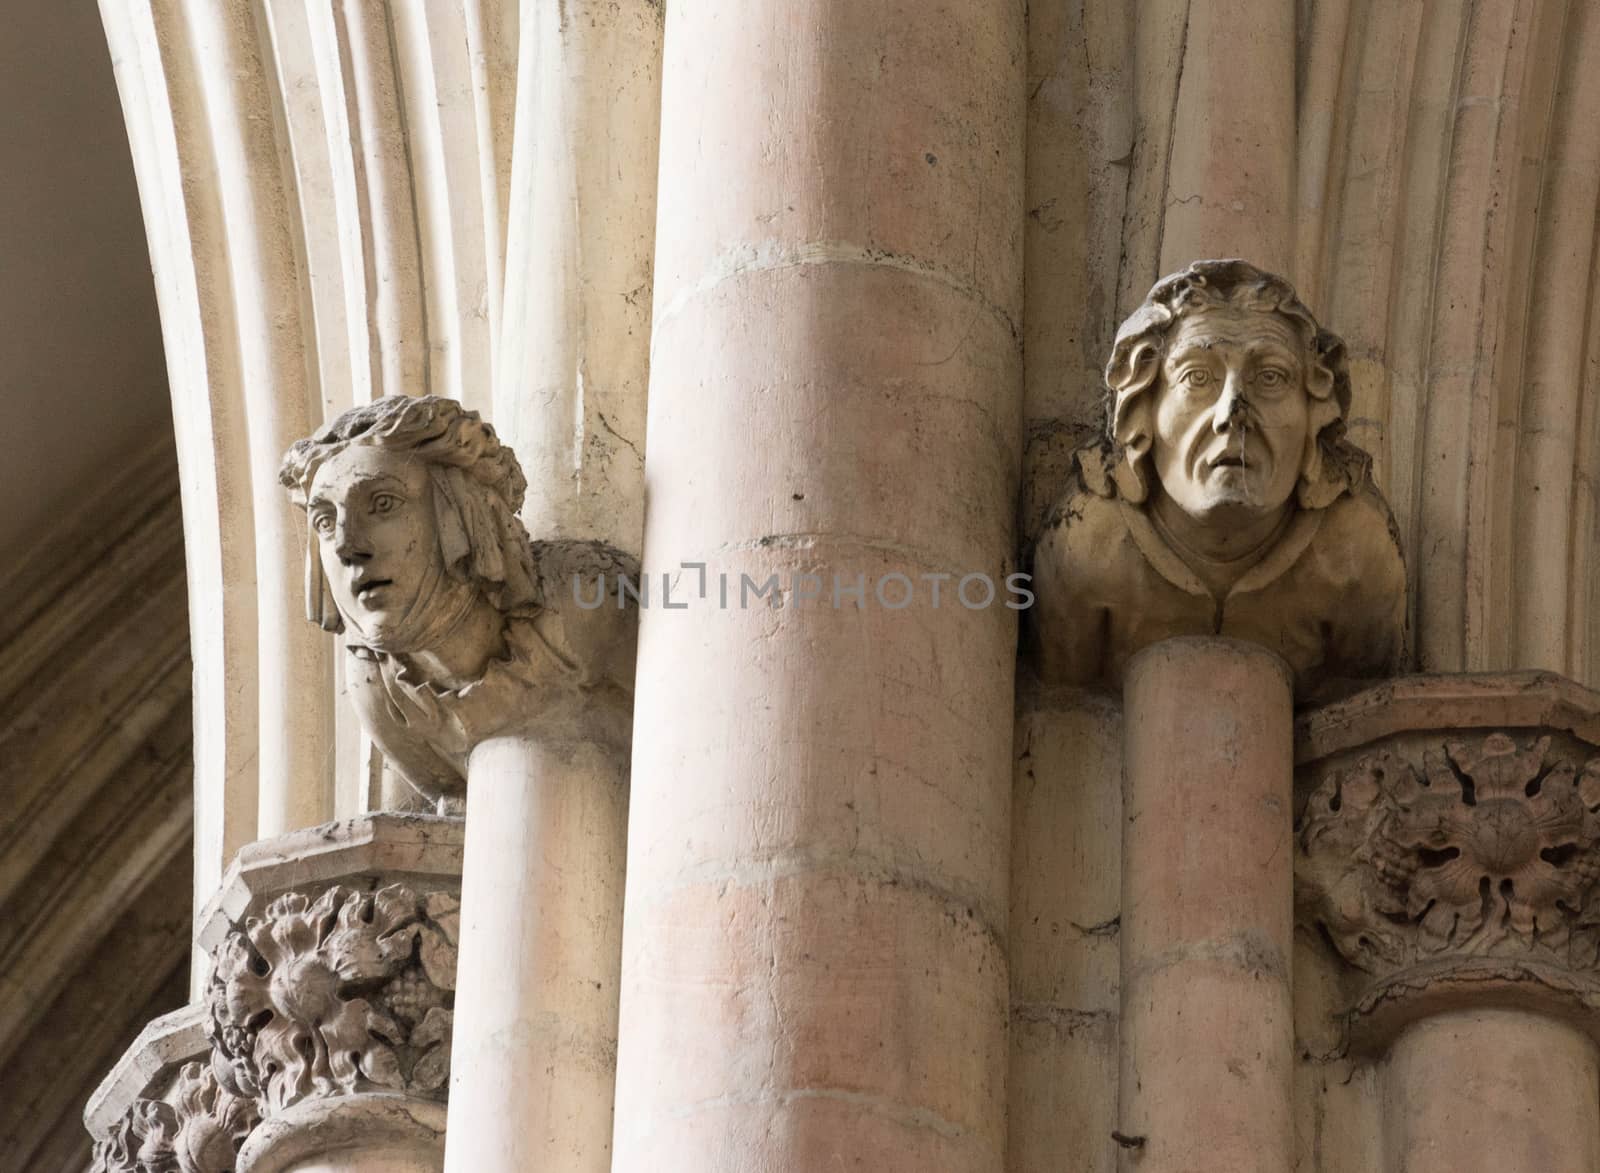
[(1195, 377), (322, 523), (1272, 378), (385, 503)]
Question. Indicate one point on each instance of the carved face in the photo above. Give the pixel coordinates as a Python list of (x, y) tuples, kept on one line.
[(1231, 413), (372, 512)]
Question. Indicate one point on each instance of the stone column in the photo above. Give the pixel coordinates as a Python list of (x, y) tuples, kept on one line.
[(1486, 1090), (531, 1078), (1207, 909), (814, 948)]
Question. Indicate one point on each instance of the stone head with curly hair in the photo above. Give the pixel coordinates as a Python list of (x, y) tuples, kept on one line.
[(1225, 394), (413, 532), (1223, 497)]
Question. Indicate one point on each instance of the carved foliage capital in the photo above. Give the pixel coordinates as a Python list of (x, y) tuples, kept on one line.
[(340, 993), (199, 1131), (1486, 848)]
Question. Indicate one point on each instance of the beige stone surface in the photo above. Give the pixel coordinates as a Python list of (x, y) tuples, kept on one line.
[(1445, 850), (573, 366), (1442, 873), (323, 1040), (1491, 1090), (536, 1027), (1207, 1031), (327, 192), (458, 627), (149, 1066), (1425, 159)]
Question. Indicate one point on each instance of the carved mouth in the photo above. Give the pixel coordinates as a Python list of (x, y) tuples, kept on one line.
[(1228, 462), (363, 589)]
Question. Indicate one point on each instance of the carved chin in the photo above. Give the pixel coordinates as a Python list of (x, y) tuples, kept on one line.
[(1237, 491)]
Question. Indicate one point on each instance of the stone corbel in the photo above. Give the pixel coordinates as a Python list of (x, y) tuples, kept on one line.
[(486, 676), (1223, 552), (1222, 497)]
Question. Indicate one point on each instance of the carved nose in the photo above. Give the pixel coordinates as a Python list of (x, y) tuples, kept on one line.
[(347, 544), (1230, 407)]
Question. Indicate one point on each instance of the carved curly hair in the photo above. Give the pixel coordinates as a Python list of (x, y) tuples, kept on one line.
[(1330, 463), (477, 489)]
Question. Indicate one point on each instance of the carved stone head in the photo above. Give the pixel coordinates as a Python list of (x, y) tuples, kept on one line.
[(1228, 397), (411, 505)]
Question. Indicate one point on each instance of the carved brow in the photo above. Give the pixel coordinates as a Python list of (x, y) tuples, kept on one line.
[(1266, 348)]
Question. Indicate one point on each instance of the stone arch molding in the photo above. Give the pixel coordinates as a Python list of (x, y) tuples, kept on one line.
[(352, 199)]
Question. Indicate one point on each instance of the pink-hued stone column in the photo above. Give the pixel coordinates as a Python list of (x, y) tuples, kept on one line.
[(1489, 1091), (814, 961), (533, 1055), (1207, 910), (1230, 156)]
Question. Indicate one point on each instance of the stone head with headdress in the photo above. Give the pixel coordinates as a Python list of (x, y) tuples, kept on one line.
[(412, 511)]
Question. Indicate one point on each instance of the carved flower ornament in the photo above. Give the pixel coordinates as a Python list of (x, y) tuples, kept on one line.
[(347, 992), (199, 1132), (1487, 850)]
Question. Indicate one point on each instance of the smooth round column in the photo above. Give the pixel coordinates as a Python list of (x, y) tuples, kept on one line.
[(1491, 1091), (814, 971), (1230, 163), (1207, 910), (534, 1051)]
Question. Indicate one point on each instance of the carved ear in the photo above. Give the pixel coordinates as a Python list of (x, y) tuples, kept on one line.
[(1319, 384), (1132, 367), (1321, 481), (1134, 436)]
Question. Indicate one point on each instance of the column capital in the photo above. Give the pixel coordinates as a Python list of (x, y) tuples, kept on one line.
[(1450, 852), (327, 1020)]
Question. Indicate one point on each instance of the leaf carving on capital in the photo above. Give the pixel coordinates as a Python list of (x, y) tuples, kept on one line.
[(1488, 849), (199, 1131), (336, 993)]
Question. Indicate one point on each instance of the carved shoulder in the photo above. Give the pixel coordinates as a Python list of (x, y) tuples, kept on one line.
[(585, 617), (1076, 561), (1359, 559)]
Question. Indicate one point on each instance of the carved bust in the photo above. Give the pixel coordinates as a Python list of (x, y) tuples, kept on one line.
[(457, 624), (1223, 497)]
